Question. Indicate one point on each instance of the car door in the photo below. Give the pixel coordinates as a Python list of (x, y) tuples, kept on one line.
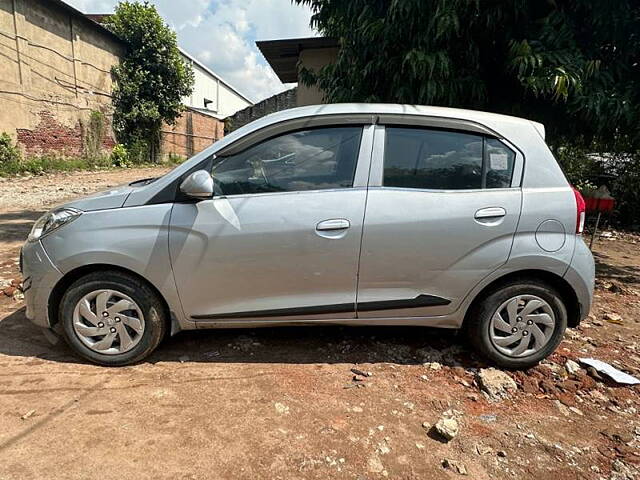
[(442, 210), (281, 238)]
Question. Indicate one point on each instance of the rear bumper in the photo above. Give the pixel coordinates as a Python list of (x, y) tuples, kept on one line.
[(581, 275), (40, 276)]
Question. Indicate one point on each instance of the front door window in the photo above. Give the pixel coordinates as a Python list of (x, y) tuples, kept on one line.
[(317, 159)]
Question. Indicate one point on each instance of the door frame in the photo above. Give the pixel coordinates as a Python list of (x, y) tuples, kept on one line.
[(376, 175), (295, 315), (363, 163), (379, 142)]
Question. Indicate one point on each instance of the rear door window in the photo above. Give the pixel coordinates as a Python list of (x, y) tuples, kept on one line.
[(444, 160)]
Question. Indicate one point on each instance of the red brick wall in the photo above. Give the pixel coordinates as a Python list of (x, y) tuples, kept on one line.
[(192, 133), (51, 136)]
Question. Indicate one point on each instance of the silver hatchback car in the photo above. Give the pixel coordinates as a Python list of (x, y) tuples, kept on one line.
[(356, 214)]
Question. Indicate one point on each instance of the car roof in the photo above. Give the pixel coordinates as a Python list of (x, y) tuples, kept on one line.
[(395, 109)]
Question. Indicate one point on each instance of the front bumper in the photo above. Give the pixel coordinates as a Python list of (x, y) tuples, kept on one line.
[(40, 275)]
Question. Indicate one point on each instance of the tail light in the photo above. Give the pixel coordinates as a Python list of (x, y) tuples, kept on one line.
[(580, 211)]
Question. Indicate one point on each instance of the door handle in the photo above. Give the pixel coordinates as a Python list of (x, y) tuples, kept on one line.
[(333, 224), (490, 212)]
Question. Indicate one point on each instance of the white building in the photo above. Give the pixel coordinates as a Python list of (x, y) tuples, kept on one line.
[(212, 95)]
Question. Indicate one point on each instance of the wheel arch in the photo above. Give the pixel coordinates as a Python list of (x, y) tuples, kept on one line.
[(563, 287), (55, 297)]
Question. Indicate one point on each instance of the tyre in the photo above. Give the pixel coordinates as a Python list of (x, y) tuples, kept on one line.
[(112, 318), (518, 324)]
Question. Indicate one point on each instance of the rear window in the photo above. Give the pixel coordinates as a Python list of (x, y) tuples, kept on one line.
[(443, 160)]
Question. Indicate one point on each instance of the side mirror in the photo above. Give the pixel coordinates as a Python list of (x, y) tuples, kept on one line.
[(198, 185)]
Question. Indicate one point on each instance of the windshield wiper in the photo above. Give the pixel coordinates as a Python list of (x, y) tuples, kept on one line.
[(143, 182)]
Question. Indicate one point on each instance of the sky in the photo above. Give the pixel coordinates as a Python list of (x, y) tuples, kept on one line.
[(222, 35)]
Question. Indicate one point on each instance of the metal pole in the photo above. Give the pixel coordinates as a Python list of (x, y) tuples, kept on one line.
[(595, 229)]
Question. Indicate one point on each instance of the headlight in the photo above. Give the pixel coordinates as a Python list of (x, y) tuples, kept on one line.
[(52, 220)]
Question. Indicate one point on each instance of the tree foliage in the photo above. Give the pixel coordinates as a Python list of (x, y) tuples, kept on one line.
[(549, 59), (570, 64), (150, 80), (10, 155)]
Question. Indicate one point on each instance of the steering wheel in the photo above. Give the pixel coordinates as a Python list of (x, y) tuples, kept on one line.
[(285, 160)]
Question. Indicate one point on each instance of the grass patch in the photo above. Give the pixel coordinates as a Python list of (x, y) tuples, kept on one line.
[(38, 165), (12, 163)]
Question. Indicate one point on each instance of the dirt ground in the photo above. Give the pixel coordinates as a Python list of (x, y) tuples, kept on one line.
[(284, 403)]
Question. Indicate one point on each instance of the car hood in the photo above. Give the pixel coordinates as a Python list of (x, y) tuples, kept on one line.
[(107, 199)]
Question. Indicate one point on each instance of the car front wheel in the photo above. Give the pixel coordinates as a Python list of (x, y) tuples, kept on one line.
[(112, 318), (518, 324)]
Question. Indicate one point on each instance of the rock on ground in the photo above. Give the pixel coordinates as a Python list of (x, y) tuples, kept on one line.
[(495, 383), (457, 467), (572, 367), (447, 428)]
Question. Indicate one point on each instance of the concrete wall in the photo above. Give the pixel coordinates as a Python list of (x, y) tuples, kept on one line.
[(192, 133), (224, 100), (281, 101), (55, 69), (314, 59)]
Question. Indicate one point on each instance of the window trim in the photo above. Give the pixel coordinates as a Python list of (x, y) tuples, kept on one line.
[(376, 177), (484, 167), (321, 120), (294, 125), (293, 192), (361, 174), (428, 122)]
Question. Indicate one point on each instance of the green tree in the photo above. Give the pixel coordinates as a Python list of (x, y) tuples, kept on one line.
[(551, 60), (150, 80), (573, 65)]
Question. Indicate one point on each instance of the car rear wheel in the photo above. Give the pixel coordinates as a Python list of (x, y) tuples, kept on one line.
[(518, 324), (112, 318)]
